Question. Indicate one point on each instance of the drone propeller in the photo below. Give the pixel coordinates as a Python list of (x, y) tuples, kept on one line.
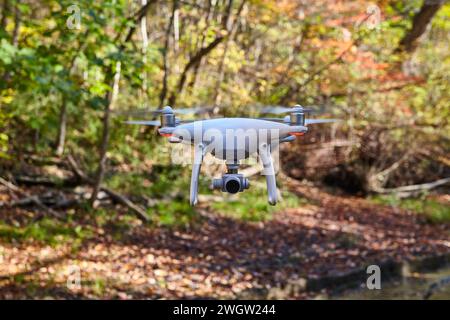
[(167, 109), (281, 109), (314, 121), (285, 120), (154, 123), (307, 121), (190, 110)]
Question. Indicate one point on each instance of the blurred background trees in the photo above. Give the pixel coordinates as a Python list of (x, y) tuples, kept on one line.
[(68, 69)]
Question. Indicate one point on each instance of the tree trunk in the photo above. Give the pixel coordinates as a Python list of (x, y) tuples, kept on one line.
[(5, 10), (162, 96), (110, 99), (62, 125), (176, 30), (61, 137), (144, 56), (419, 25), (15, 35), (17, 20)]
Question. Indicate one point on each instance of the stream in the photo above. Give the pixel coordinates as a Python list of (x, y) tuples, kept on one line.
[(411, 287)]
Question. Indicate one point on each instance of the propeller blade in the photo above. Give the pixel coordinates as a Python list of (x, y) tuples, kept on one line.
[(136, 112), (184, 111), (314, 121), (154, 123), (189, 110), (181, 121), (274, 119), (281, 110), (275, 110)]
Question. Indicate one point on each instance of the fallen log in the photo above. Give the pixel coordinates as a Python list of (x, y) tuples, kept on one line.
[(44, 181), (34, 199), (28, 201), (38, 160), (411, 190), (140, 212)]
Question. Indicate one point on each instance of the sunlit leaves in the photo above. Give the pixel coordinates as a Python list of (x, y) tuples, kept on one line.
[(7, 52)]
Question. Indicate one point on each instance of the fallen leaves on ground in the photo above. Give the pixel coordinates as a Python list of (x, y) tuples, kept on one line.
[(222, 257)]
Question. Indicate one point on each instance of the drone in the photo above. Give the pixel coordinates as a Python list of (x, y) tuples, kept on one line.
[(233, 140)]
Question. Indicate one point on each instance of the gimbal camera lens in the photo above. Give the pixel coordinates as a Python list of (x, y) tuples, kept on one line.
[(233, 185)]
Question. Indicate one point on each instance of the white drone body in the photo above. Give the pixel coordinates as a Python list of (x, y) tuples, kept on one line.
[(232, 140)]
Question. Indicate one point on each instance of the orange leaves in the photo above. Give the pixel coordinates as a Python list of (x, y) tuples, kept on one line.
[(346, 20), (398, 76)]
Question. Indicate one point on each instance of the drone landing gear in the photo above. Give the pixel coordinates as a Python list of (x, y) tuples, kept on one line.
[(232, 182), (269, 172), (199, 153)]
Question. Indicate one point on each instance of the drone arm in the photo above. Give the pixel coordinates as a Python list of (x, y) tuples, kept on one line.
[(199, 152), (269, 172)]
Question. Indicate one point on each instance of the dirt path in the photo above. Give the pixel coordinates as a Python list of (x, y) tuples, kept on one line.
[(223, 257)]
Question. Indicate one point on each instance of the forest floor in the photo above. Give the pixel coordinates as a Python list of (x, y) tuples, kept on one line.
[(217, 257)]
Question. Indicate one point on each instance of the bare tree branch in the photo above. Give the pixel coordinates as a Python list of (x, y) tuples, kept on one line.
[(408, 191), (419, 25)]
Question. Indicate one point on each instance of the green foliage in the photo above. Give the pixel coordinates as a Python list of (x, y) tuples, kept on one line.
[(173, 214), (163, 181), (433, 210), (47, 231), (167, 186), (252, 205), (3, 136)]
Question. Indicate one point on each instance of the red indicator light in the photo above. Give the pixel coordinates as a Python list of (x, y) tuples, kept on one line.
[(296, 133)]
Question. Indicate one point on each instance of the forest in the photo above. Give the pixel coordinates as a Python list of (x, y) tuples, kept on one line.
[(94, 208)]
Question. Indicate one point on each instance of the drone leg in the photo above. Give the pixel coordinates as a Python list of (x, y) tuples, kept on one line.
[(199, 152), (269, 172)]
